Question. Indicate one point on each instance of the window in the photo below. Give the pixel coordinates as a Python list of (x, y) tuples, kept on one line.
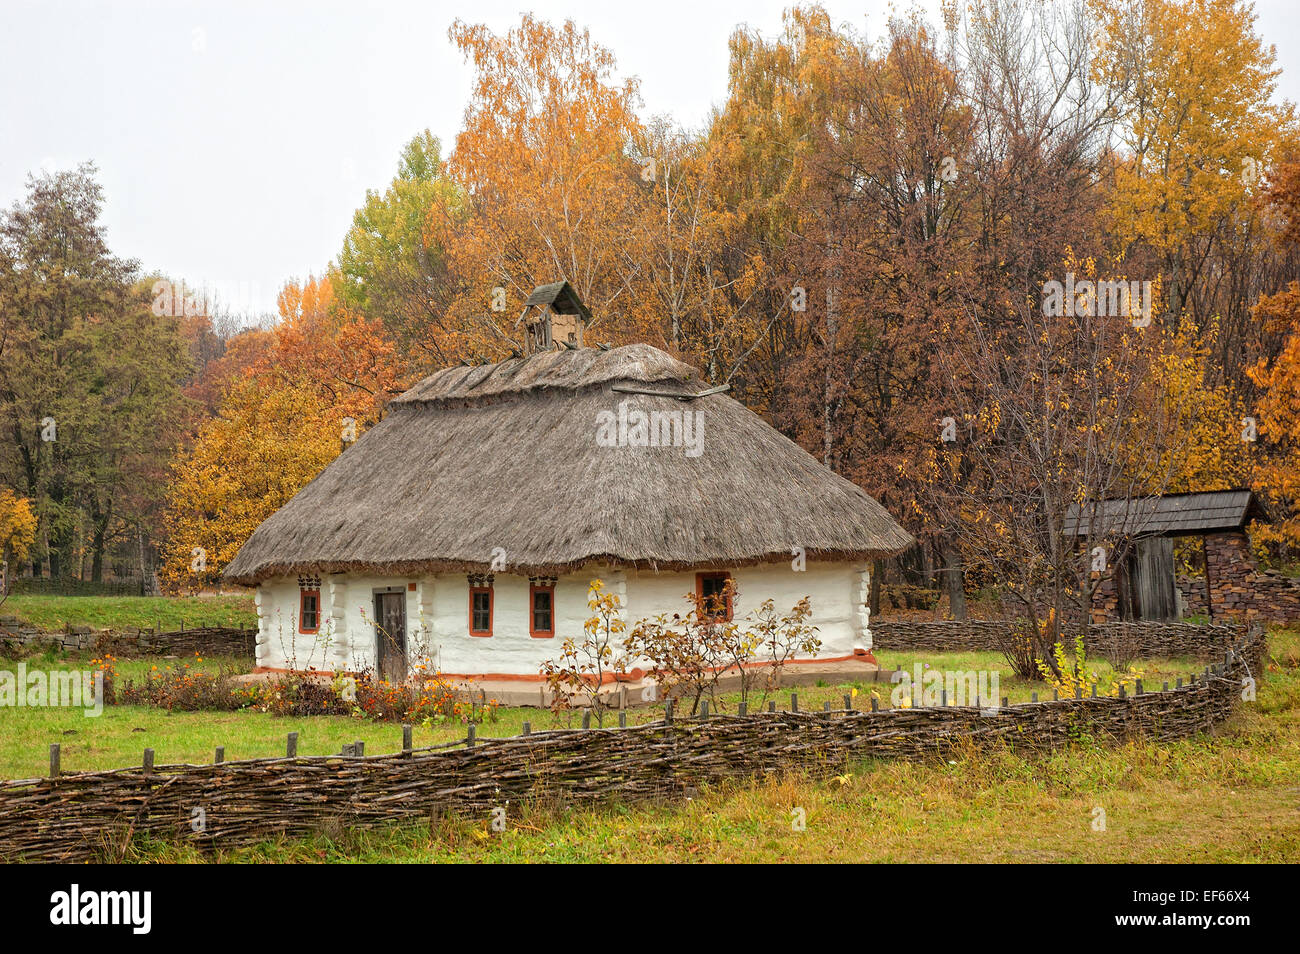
[(480, 605), (715, 591), (541, 607), (308, 605)]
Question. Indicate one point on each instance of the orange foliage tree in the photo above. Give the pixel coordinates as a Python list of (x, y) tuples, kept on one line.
[(324, 379)]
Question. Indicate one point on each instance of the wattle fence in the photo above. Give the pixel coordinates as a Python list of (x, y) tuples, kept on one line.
[(96, 815), (1144, 640)]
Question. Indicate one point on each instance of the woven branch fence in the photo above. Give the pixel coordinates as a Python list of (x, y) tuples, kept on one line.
[(94, 815), (1148, 640)]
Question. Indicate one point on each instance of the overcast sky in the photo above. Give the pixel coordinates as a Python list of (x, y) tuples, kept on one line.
[(234, 140)]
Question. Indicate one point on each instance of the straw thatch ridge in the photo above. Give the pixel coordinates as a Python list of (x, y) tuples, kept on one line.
[(562, 369), (506, 456)]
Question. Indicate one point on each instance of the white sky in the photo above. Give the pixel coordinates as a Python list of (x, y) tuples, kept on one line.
[(235, 139)]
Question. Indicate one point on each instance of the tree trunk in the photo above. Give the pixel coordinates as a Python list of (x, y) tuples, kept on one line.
[(955, 580), (832, 334), (148, 581), (99, 536)]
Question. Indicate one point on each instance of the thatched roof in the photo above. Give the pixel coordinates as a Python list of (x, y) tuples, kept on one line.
[(506, 455), (1173, 515)]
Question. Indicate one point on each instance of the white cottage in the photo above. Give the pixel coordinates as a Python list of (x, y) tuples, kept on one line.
[(463, 530)]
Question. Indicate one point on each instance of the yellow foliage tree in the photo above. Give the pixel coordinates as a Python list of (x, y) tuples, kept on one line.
[(1212, 449), (1197, 122), (268, 440), (547, 158), (1278, 476), (323, 380), (17, 526)]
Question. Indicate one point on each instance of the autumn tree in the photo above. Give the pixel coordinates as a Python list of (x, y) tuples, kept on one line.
[(546, 161), (1198, 128), (392, 268), (1062, 413), (269, 439), (322, 380), (17, 527), (1278, 475), (90, 376)]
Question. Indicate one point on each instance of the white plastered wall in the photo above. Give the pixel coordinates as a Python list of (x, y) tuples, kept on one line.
[(437, 614)]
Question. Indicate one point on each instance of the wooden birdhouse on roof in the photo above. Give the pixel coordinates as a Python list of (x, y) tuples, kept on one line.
[(553, 314)]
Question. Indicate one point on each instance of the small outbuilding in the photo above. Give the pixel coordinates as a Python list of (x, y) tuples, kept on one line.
[(1144, 584), (464, 529)]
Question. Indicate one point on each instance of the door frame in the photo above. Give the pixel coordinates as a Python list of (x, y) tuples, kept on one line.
[(380, 650)]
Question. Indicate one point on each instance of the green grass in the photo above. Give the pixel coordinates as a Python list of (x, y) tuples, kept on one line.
[(1232, 798), (118, 737), (1154, 672), (121, 612)]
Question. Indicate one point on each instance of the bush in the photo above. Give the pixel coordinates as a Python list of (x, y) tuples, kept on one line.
[(691, 653), (180, 686), (183, 686)]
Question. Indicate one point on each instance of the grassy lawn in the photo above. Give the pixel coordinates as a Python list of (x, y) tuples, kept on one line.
[(118, 737), (121, 612), (1233, 798)]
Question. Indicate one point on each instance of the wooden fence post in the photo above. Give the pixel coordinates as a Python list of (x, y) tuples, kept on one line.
[(794, 702), (528, 728), (359, 747), (220, 755), (771, 706), (54, 760), (407, 741), (704, 708), (586, 718), (148, 761), (848, 702), (469, 737), (875, 704), (668, 712), (742, 710), (291, 749), (622, 718)]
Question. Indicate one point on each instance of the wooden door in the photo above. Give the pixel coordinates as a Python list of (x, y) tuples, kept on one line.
[(1156, 589), (390, 635)]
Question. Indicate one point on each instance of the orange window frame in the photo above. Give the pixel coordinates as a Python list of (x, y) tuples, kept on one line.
[(533, 590), (302, 601), (725, 577), (491, 601)]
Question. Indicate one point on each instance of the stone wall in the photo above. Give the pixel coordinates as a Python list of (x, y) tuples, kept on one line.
[(1238, 589), (216, 640)]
